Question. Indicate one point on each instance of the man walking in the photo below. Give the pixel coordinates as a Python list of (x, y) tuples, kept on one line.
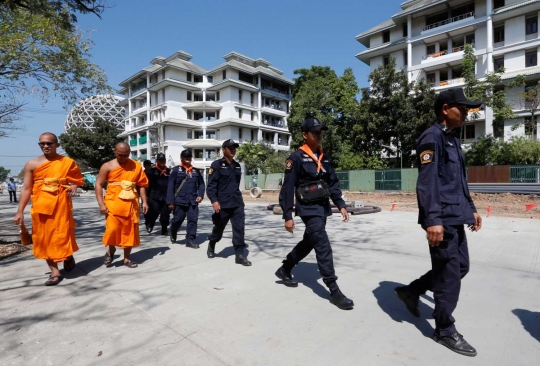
[(445, 207), (224, 192), (157, 194), (51, 180), (310, 176), (126, 180), (185, 192), (12, 189)]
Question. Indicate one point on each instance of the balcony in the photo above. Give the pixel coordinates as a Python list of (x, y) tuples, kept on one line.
[(447, 82), (136, 90), (133, 142), (275, 123), (143, 157), (276, 92), (142, 140), (448, 21), (140, 109)]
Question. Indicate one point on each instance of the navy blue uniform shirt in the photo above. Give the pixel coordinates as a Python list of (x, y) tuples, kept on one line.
[(299, 169), (442, 192), (157, 188), (224, 184), (192, 188)]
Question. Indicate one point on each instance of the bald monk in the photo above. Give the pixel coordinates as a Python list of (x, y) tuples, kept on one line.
[(51, 180), (121, 208)]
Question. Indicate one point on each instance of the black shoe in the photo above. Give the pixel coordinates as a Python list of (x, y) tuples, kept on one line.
[(240, 259), (341, 301), (456, 343), (164, 232), (211, 247), (149, 228), (172, 236), (191, 244), (286, 277), (410, 300)]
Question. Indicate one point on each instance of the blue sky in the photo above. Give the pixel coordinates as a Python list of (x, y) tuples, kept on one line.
[(290, 34)]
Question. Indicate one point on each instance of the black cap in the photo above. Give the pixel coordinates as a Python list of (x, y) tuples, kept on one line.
[(313, 124), (161, 156), (147, 162), (453, 96), (230, 142), (186, 154)]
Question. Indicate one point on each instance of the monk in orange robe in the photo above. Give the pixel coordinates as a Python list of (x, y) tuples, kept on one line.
[(126, 180), (51, 180)]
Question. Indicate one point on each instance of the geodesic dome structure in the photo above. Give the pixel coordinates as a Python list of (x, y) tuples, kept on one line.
[(100, 106)]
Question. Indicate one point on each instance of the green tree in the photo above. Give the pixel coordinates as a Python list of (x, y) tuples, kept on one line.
[(92, 147), (275, 162), (261, 158), (4, 174), (42, 57), (491, 151), (483, 151)]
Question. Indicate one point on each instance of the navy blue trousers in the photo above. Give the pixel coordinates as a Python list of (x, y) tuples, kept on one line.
[(449, 265), (180, 213), (315, 237), (157, 208), (238, 221)]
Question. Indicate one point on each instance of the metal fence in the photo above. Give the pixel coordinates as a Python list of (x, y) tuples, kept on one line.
[(343, 177), (388, 180), (525, 174)]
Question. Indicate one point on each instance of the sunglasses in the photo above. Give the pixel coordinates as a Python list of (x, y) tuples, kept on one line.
[(46, 143)]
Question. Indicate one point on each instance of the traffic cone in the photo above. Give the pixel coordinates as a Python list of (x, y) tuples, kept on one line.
[(530, 206), (489, 209)]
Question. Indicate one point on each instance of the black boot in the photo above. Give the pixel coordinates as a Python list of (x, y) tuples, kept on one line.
[(341, 301), (409, 299), (149, 228), (173, 236), (285, 275), (191, 244), (240, 259), (164, 231), (211, 247), (456, 343)]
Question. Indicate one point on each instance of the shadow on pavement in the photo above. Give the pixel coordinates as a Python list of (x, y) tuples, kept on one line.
[(530, 321), (391, 305), (307, 274)]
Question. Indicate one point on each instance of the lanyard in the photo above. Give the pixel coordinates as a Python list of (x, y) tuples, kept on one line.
[(308, 151)]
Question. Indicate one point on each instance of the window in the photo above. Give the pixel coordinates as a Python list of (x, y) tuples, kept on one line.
[(217, 115), (405, 30), (252, 135), (498, 34), (189, 134), (197, 78), (239, 95), (240, 113), (531, 127), (224, 74), (386, 60), (210, 79), (197, 116), (217, 95), (470, 131), (252, 115), (469, 39), (189, 96), (188, 76), (386, 36), (430, 49), (198, 154), (218, 134), (498, 4), (405, 61), (252, 98), (531, 58), (498, 63), (199, 135), (239, 133), (431, 78), (531, 25), (210, 116), (189, 116), (242, 76)]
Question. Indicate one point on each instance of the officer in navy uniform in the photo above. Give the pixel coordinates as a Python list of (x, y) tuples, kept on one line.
[(310, 177), (158, 177), (223, 190), (184, 193), (445, 206)]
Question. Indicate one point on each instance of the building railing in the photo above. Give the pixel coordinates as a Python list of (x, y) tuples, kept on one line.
[(273, 106), (277, 91), (133, 142), (142, 140), (143, 157), (448, 82), (448, 21), (445, 52), (137, 89), (274, 123)]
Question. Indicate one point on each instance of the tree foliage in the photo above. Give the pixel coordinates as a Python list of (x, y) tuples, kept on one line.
[(41, 56), (491, 151), (4, 174), (92, 147), (261, 158)]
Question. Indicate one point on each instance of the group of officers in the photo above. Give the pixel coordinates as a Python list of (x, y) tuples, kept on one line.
[(309, 183)]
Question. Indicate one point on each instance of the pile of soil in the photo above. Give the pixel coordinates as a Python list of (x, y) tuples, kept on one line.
[(502, 204)]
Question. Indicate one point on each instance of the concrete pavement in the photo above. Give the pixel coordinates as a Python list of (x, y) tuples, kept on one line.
[(180, 308)]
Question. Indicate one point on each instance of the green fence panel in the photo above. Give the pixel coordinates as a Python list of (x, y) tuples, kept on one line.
[(408, 180), (261, 181), (525, 174), (362, 180), (272, 180), (248, 181), (388, 180), (343, 177)]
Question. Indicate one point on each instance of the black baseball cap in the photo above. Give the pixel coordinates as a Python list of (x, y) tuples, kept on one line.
[(312, 124), (454, 96), (160, 156), (186, 154), (146, 162), (230, 142)]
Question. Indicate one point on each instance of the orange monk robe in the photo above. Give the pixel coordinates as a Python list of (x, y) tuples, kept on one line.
[(53, 226), (122, 223)]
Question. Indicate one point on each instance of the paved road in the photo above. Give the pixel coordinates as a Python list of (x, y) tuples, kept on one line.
[(180, 308)]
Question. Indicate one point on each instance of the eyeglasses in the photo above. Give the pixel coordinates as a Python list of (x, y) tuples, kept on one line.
[(46, 143)]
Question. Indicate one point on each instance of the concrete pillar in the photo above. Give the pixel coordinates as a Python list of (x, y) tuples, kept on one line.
[(259, 135), (489, 48), (259, 100), (409, 60), (489, 121), (147, 98), (275, 140), (449, 46)]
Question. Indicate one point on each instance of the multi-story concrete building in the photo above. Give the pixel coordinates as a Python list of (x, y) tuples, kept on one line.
[(427, 39), (174, 105)]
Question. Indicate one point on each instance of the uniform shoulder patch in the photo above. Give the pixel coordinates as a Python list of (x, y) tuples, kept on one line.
[(289, 164), (210, 171), (426, 157)]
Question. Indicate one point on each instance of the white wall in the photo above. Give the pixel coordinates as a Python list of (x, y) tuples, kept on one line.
[(480, 8), (375, 62), (519, 131), (514, 30), (417, 25), (375, 40), (176, 74), (514, 60)]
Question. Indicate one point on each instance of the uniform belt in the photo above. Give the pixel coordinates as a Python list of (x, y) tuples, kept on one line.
[(52, 184), (127, 192)]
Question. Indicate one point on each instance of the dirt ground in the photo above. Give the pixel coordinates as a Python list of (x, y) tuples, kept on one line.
[(502, 204)]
